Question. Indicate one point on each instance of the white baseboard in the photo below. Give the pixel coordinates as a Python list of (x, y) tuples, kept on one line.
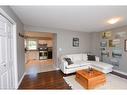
[(57, 68), (120, 72), (21, 79)]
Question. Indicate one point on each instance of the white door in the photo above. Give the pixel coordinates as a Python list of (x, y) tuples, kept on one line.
[(6, 54)]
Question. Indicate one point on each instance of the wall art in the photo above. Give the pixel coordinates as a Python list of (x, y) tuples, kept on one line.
[(116, 42), (116, 52), (105, 53), (111, 43), (125, 45), (120, 35), (75, 42), (114, 62), (103, 44), (106, 35)]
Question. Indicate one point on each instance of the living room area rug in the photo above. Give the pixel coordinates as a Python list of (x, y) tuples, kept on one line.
[(112, 82)]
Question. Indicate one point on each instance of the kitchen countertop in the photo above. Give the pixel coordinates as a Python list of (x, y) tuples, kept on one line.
[(49, 49)]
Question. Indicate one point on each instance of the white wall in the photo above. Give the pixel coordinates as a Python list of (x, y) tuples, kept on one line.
[(95, 44), (20, 42)]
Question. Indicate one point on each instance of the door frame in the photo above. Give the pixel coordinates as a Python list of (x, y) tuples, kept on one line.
[(4, 14)]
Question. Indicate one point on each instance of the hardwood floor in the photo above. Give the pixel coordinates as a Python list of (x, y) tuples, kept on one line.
[(48, 80), (45, 80)]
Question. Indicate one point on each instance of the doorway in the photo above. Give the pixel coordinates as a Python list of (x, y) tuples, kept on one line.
[(39, 52), (8, 60)]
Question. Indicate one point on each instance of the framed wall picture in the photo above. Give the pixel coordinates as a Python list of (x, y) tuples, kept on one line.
[(125, 45), (75, 42), (116, 43), (106, 35), (103, 44), (116, 52), (111, 43), (120, 35)]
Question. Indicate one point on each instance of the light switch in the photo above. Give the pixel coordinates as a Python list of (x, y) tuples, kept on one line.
[(60, 49)]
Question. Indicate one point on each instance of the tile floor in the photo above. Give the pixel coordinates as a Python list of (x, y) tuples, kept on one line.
[(36, 66)]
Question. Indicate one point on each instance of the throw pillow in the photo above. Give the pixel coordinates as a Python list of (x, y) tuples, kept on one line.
[(91, 57), (68, 60)]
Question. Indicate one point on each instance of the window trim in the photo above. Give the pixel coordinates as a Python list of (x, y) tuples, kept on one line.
[(27, 44)]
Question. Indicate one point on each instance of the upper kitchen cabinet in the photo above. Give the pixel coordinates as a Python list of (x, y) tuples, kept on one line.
[(48, 42)]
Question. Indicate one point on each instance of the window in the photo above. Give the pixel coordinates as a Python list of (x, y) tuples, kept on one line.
[(32, 45)]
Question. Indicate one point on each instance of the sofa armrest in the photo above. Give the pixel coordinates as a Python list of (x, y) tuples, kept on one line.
[(63, 62), (63, 65)]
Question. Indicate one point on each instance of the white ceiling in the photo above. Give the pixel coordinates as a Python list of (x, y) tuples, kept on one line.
[(75, 18)]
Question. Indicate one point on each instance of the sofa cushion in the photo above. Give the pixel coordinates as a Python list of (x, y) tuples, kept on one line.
[(91, 57), (77, 64), (80, 62), (77, 57), (89, 62), (73, 66), (69, 56), (101, 65), (68, 61), (84, 57)]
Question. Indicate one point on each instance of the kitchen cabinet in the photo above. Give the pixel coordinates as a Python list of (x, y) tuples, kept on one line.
[(49, 54), (48, 42)]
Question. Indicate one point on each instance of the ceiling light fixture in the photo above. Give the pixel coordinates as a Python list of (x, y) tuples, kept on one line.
[(113, 20)]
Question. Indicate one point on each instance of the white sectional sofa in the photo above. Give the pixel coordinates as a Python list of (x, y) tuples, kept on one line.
[(80, 61)]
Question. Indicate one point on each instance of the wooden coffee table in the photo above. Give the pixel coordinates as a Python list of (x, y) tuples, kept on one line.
[(90, 80)]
